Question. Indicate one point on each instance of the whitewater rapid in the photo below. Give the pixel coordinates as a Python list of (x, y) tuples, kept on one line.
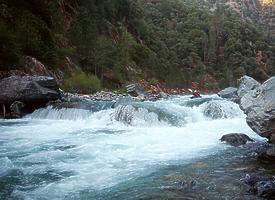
[(60, 153)]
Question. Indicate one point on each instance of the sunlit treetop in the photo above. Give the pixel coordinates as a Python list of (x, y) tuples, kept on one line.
[(268, 2)]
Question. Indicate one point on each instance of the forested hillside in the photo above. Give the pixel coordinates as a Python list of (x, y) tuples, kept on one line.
[(114, 41)]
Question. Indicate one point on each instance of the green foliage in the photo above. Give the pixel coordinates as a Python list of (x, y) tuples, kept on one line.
[(25, 29), (35, 38), (175, 41), (81, 83)]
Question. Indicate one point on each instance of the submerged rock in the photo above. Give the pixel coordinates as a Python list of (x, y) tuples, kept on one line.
[(236, 139), (259, 105)]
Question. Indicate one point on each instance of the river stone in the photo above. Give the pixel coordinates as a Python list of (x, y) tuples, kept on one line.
[(259, 105), (228, 93), (28, 89), (236, 139)]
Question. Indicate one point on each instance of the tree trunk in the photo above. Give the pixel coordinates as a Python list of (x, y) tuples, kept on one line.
[(4, 110)]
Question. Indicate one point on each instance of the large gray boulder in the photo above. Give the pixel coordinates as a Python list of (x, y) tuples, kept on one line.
[(259, 105), (247, 84), (28, 89), (228, 93)]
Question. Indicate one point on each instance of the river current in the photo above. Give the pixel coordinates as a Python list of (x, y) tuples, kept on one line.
[(127, 152)]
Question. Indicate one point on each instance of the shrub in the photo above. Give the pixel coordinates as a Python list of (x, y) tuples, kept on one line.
[(81, 83)]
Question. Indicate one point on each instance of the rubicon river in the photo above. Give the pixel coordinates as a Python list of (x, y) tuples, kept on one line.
[(135, 151)]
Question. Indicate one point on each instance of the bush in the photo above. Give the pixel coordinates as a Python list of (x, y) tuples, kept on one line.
[(81, 83)]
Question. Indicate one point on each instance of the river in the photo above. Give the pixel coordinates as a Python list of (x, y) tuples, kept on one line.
[(139, 151)]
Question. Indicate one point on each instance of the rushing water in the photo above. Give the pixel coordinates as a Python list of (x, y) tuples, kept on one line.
[(116, 153)]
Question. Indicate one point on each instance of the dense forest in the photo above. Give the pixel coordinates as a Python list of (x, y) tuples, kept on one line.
[(111, 42)]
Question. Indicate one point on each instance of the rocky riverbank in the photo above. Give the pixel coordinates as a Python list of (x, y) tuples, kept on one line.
[(20, 95), (258, 103)]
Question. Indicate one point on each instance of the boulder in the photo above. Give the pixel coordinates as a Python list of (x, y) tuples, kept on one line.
[(246, 85), (228, 93), (236, 139), (28, 89), (259, 105)]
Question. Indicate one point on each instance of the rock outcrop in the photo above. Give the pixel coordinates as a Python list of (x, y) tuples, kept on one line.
[(259, 105)]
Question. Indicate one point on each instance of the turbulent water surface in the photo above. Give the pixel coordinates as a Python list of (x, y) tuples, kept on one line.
[(129, 152)]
